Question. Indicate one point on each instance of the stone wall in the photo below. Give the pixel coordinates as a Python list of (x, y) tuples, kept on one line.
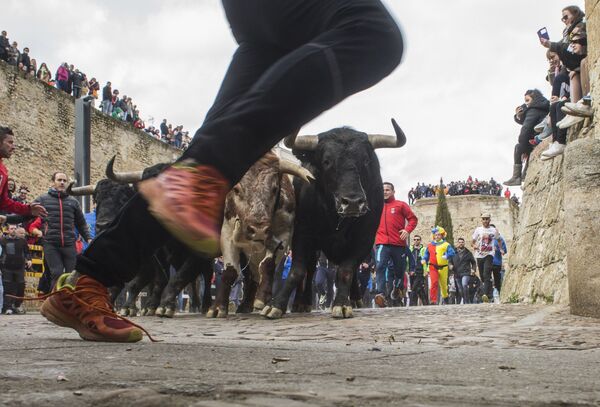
[(537, 267), (43, 121), (466, 215), (557, 237)]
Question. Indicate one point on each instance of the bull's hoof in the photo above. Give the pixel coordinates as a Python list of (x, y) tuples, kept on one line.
[(194, 310), (150, 311), (271, 312), (160, 311), (169, 312), (258, 305), (124, 312), (217, 312), (342, 311)]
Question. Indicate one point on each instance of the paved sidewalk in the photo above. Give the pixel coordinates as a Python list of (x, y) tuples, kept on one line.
[(443, 356)]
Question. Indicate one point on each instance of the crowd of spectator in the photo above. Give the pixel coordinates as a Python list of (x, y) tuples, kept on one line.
[(469, 187), (75, 82), (570, 102)]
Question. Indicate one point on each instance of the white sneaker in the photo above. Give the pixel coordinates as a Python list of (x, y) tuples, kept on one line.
[(555, 149), (581, 108), (569, 121)]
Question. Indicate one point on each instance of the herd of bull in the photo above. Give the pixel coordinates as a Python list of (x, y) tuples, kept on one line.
[(333, 205)]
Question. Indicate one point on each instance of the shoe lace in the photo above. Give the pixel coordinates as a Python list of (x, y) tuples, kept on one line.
[(97, 300)]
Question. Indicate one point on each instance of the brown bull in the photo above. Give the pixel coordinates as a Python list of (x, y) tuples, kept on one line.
[(257, 226)]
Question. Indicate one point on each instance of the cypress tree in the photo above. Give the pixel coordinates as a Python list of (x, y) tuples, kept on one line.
[(442, 215)]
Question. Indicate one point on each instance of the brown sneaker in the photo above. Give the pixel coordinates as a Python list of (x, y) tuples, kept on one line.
[(188, 200), (380, 301), (86, 308)]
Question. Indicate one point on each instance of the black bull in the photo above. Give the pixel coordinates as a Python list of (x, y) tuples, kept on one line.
[(338, 214), (110, 197)]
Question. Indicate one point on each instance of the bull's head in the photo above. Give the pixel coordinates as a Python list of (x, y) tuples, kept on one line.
[(344, 162), (254, 200), (109, 197)]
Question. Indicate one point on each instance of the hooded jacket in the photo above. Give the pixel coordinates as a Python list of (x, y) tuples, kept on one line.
[(64, 214), (533, 114), (396, 215)]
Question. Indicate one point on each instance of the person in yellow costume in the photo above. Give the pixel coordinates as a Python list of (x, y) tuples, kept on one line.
[(436, 257)]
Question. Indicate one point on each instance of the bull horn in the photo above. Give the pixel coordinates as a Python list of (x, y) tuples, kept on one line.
[(80, 191), (301, 143), (122, 177), (289, 167), (385, 141)]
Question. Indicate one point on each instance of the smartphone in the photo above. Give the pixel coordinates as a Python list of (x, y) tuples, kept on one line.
[(543, 33)]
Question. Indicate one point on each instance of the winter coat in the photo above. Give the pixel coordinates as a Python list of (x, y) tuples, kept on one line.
[(396, 215), (62, 74), (463, 262), (64, 214), (106, 93), (531, 116), (15, 253), (570, 60)]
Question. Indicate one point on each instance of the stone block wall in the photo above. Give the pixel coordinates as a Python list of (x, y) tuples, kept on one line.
[(43, 119), (556, 240), (537, 268)]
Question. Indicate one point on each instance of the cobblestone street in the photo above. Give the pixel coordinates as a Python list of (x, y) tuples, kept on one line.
[(447, 356)]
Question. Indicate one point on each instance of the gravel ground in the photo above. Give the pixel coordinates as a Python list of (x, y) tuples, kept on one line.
[(480, 355)]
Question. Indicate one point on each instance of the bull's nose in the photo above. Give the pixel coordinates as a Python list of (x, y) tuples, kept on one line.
[(352, 205), (258, 232)]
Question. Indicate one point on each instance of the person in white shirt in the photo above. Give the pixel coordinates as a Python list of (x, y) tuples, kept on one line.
[(483, 246)]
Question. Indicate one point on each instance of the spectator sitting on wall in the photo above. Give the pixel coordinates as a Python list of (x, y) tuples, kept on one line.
[(535, 108), (24, 58)]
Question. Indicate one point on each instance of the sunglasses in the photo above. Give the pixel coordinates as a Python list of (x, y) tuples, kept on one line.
[(580, 41)]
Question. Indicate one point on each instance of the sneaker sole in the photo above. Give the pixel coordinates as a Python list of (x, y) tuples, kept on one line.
[(205, 243), (53, 314), (380, 302)]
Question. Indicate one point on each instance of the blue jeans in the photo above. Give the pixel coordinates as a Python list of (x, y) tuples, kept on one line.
[(383, 255), (462, 284)]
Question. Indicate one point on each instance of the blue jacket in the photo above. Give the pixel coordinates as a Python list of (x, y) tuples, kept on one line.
[(499, 243)]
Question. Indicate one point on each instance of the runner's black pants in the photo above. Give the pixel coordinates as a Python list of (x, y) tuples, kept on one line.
[(295, 60)]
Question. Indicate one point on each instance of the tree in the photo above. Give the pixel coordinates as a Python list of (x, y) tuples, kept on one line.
[(442, 215)]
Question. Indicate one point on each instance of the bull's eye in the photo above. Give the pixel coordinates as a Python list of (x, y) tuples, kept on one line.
[(237, 190), (326, 163)]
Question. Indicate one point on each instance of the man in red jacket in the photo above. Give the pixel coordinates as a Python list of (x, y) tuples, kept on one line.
[(7, 205), (397, 221)]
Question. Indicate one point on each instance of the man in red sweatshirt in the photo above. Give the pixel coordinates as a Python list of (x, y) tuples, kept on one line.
[(397, 221), (7, 205)]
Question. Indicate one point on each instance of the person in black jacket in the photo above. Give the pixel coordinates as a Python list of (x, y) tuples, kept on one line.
[(64, 215), (4, 46), (463, 265), (528, 115), (15, 258)]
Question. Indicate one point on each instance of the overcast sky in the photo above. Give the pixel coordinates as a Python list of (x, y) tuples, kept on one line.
[(466, 67)]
